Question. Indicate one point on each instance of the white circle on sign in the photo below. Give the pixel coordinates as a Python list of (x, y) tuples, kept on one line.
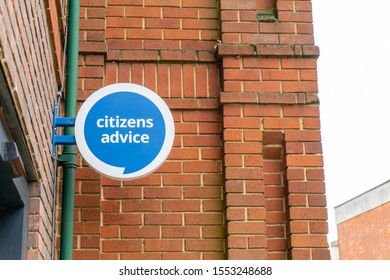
[(124, 131)]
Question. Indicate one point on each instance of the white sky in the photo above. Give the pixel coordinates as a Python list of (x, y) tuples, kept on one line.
[(354, 84)]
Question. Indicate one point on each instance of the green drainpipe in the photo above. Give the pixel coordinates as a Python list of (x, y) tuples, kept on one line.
[(68, 157)]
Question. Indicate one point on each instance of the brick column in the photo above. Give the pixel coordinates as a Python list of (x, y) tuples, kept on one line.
[(275, 202), (242, 135)]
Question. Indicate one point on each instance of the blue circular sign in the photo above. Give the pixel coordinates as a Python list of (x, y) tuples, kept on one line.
[(124, 131)]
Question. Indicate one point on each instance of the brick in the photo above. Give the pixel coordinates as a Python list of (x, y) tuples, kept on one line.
[(161, 45), (306, 187), (289, 16), (304, 111), (163, 245), (88, 214), (232, 74), (317, 200), (141, 55), (315, 174), (140, 232), (91, 24), (141, 206), (299, 227), (253, 135), (110, 206), (305, 28), (318, 227), (114, 193), (162, 23), (151, 180), (313, 241), (294, 148), (199, 4), (234, 227), (262, 39), (239, 5), (232, 122), (142, 12), (253, 161), (254, 186), (162, 192), (181, 34), (181, 232), (109, 232), (112, 11), (86, 228), (244, 200), (243, 148), (91, 72), (181, 179), (269, 63), (141, 256), (209, 128), (163, 219), (237, 242), (300, 87), (181, 206), (144, 34), (181, 256), (204, 245), (299, 63), (203, 219), (235, 213), (308, 213), (279, 75), (213, 205), (122, 219), (303, 135), (299, 254), (252, 254), (313, 148), (297, 200), (202, 166), (319, 254), (257, 242), (311, 123), (266, 27), (121, 22), (90, 242), (200, 23), (235, 27), (165, 3), (181, 13), (212, 179), (84, 254), (92, 3), (295, 174), (262, 86), (304, 160), (275, 231), (86, 200), (277, 245), (282, 123)]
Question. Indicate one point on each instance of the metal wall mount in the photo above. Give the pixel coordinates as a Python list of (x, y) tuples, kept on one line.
[(61, 139)]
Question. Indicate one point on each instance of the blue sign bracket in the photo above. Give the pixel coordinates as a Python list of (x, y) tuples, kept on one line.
[(61, 122)]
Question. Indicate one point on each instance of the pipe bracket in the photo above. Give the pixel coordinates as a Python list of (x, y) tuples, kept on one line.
[(61, 139)]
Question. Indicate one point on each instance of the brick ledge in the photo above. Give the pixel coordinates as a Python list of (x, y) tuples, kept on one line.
[(269, 98), (268, 50)]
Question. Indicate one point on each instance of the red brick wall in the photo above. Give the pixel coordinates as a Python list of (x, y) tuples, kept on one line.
[(356, 236), (244, 179), (30, 56)]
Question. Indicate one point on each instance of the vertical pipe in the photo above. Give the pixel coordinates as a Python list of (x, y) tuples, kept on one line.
[(69, 153)]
